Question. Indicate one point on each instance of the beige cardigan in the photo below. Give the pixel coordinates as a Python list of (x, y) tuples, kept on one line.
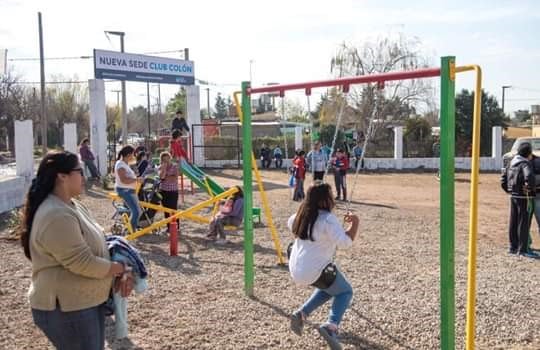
[(70, 260)]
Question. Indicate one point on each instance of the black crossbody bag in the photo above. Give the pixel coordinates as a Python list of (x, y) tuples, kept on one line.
[(328, 274), (327, 277)]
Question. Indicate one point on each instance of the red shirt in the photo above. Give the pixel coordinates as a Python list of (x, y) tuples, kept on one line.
[(300, 165), (177, 150), (342, 163)]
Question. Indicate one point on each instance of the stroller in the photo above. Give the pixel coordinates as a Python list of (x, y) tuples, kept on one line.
[(149, 192)]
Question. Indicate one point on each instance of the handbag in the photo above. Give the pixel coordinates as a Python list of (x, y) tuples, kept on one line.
[(327, 277)]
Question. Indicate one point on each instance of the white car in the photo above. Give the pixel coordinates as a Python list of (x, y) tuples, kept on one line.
[(534, 141)]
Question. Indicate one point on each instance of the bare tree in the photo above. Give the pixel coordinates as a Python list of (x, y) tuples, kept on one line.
[(398, 99)]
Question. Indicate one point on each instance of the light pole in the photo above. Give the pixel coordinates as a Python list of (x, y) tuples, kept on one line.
[(504, 87), (250, 70), (123, 82)]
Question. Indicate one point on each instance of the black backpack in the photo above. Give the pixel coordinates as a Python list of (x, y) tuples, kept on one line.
[(513, 179)]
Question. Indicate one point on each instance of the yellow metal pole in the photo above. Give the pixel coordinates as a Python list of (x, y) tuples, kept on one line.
[(264, 199), (181, 214), (473, 213)]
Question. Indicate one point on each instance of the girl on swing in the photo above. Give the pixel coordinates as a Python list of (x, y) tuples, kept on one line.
[(318, 234)]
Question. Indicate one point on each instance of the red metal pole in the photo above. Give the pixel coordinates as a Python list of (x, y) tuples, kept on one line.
[(346, 82), (173, 238)]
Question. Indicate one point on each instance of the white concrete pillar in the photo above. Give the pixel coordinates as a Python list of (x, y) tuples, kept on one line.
[(193, 116), (70, 137), (298, 134), (98, 123), (24, 149), (398, 146), (496, 145)]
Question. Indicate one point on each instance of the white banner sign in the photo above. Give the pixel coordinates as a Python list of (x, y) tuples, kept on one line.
[(126, 66)]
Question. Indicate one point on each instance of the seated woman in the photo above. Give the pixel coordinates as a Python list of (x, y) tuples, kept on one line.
[(126, 183), (231, 213)]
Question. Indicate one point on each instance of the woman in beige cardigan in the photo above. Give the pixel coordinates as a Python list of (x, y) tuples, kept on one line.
[(72, 273)]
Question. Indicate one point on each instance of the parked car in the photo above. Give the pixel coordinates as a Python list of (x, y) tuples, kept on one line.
[(133, 138), (534, 141)]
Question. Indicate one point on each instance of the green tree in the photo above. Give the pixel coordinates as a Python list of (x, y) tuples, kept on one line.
[(492, 115), (177, 103), (222, 110), (417, 129)]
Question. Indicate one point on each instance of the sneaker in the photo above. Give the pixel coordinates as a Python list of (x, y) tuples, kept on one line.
[(337, 198), (221, 241), (297, 323), (531, 255), (330, 336), (211, 237), (512, 251)]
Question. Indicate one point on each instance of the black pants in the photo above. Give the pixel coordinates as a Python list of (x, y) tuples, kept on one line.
[(356, 163), (266, 163), (340, 177), (318, 175), (518, 230), (279, 163), (169, 199)]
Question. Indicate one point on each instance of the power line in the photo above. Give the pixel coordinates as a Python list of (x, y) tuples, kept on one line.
[(83, 57)]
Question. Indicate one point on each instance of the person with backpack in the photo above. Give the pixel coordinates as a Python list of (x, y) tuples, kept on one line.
[(518, 181)]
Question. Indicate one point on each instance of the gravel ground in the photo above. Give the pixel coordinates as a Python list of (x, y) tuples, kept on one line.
[(196, 300)]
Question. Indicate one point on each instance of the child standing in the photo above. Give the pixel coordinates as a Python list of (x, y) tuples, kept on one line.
[(318, 234), (299, 164), (177, 150), (168, 186), (341, 164)]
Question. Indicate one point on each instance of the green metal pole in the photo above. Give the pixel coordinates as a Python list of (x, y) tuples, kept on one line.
[(448, 312), (248, 190)]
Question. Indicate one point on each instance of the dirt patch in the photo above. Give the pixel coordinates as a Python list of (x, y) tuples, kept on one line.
[(196, 300)]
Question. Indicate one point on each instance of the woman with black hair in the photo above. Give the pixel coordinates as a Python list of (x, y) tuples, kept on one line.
[(318, 234), (126, 183), (71, 269)]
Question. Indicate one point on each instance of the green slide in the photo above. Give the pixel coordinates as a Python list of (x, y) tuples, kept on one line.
[(198, 177)]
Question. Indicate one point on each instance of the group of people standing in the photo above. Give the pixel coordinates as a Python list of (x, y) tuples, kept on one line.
[(317, 161)]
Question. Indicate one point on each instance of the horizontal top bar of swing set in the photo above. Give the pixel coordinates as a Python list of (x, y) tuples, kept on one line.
[(346, 82)]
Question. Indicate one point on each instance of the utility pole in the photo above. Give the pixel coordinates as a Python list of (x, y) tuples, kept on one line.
[(42, 73), (148, 107), (123, 82), (504, 87), (160, 120), (208, 102)]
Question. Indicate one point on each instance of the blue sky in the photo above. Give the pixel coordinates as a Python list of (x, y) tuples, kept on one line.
[(288, 41)]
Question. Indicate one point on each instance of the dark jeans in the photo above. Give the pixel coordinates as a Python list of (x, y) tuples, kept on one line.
[(299, 194), (518, 230), (217, 225), (169, 199), (279, 162), (356, 163), (340, 177), (75, 330), (94, 172), (266, 163), (318, 175)]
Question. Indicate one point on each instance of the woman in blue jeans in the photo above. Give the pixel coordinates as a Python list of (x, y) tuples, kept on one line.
[(126, 183), (318, 234)]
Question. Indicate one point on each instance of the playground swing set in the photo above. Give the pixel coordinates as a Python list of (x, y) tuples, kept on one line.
[(447, 73)]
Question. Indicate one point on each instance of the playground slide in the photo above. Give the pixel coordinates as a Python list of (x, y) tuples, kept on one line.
[(198, 177)]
